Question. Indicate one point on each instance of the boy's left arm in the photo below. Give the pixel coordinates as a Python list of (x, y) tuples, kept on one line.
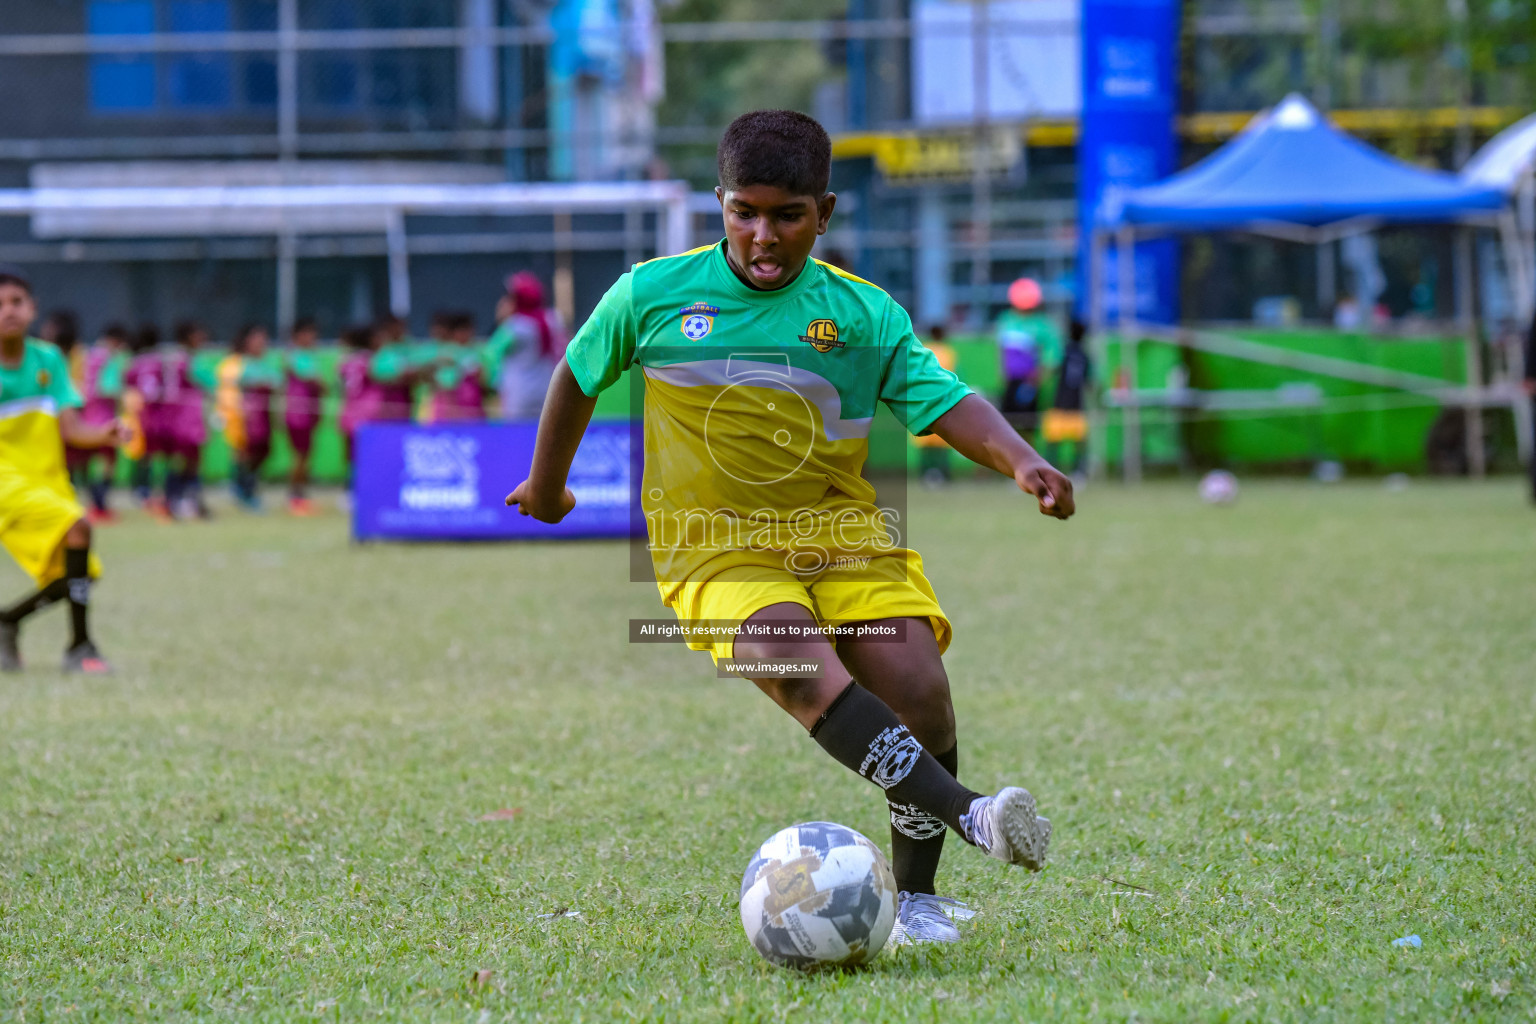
[(79, 434), (978, 431)]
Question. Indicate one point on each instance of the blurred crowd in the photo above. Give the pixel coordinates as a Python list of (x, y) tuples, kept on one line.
[(1046, 378), (177, 390)]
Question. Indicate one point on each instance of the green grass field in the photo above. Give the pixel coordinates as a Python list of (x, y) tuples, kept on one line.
[(1272, 738)]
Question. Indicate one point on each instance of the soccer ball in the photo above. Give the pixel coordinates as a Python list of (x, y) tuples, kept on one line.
[(818, 894), (1218, 487)]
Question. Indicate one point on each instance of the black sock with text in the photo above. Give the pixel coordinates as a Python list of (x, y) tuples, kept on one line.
[(77, 575), (862, 733), (917, 837)]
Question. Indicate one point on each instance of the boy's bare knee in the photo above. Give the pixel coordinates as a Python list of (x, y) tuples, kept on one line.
[(922, 701), (79, 535)]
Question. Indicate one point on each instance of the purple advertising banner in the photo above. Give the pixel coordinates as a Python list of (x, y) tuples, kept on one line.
[(449, 482)]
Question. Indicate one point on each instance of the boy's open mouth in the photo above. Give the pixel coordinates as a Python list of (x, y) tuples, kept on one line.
[(766, 269)]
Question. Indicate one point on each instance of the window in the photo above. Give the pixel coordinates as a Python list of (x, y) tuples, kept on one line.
[(201, 81), (122, 83)]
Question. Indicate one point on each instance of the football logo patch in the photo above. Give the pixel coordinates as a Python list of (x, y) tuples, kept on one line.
[(892, 756), (914, 822), (821, 335), (699, 320)]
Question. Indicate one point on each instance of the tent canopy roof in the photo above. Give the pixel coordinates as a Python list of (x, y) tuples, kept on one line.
[(1290, 166), (1505, 158)]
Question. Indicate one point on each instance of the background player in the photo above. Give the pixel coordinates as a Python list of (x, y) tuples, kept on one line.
[(261, 374), (304, 390), (187, 381), (836, 346), (41, 524), (459, 382), (101, 386), (523, 351)]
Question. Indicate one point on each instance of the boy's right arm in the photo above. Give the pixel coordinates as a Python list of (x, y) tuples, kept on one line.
[(595, 360), (567, 411)]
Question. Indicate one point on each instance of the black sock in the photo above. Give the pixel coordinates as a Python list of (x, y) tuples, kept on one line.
[(98, 491), (863, 733), (77, 574), (917, 837), (36, 602)]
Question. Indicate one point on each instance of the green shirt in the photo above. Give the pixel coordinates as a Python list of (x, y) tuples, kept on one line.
[(390, 364), (42, 373), (304, 363), (1031, 331), (31, 395), (263, 372), (109, 379), (758, 407), (495, 351)]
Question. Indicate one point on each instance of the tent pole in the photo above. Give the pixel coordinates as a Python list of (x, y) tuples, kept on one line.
[(1467, 317), (287, 281), (1327, 279), (1131, 420), (1099, 352), (399, 264), (1524, 289)]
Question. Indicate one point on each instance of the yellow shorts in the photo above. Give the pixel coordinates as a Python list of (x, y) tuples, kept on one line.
[(889, 586), (1063, 425), (34, 517)]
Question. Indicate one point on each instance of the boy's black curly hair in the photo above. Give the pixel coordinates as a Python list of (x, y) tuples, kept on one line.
[(782, 148)]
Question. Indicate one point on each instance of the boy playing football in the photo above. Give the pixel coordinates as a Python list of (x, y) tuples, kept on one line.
[(41, 524), (762, 370)]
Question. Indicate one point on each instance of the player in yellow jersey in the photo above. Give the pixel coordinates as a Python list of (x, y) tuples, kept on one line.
[(763, 369), (41, 524)]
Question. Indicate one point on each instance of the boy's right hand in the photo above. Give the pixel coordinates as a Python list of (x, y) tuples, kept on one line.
[(530, 504)]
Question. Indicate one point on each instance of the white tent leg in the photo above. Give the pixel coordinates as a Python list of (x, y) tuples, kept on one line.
[(287, 282), (399, 265), (1523, 286), (1467, 316)]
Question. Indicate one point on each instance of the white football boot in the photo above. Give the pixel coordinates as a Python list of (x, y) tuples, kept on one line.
[(923, 917), (1007, 827)]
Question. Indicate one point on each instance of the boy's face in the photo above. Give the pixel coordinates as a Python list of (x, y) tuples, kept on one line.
[(770, 232), (17, 311), (305, 338)]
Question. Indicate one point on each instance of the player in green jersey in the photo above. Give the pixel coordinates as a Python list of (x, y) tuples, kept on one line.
[(763, 369), (42, 525)]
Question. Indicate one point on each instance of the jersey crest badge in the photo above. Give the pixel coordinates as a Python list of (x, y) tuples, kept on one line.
[(821, 335), (699, 320), (43, 379)]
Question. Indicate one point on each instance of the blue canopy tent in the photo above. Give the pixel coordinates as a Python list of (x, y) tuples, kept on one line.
[(1290, 174)]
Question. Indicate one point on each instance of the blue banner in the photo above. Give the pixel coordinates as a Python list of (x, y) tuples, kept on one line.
[(1130, 100), (449, 482)]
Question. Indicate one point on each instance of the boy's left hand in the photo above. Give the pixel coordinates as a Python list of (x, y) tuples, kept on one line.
[(1052, 487)]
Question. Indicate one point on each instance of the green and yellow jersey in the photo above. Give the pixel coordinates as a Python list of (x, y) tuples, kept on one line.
[(32, 393), (758, 407)]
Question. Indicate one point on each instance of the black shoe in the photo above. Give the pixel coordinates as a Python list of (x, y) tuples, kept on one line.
[(10, 651), (86, 659)]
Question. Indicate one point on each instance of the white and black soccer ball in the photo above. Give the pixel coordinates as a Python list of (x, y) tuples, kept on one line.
[(1218, 487), (818, 894)]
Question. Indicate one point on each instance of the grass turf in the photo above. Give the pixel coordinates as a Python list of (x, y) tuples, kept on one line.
[(1272, 738)]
